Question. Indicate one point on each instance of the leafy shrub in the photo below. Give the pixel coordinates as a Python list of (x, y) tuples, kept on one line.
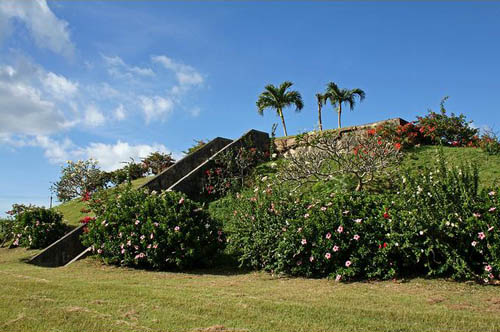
[(438, 224), (131, 171), (407, 135), (35, 227), (159, 231), (446, 129), (6, 232), (198, 144), (490, 143)]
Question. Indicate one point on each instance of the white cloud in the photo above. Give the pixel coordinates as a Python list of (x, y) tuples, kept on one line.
[(47, 30), (112, 156), (119, 113), (59, 86), (94, 117), (118, 68), (186, 75), (155, 107)]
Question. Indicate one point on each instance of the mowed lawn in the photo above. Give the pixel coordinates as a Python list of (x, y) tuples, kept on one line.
[(89, 296)]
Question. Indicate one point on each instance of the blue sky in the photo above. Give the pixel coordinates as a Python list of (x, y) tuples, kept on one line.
[(113, 80)]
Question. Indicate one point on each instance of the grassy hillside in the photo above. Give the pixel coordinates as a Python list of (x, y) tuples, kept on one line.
[(71, 209), (489, 166)]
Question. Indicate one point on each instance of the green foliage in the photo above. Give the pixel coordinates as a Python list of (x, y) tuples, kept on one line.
[(278, 98), (6, 231), (156, 162), (159, 231), (131, 171), (33, 227), (198, 144), (437, 225), (447, 129), (79, 178), (490, 143)]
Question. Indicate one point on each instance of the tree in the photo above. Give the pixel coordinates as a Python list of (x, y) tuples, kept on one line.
[(79, 178), (339, 96), (279, 98), (321, 100), (156, 162), (322, 156)]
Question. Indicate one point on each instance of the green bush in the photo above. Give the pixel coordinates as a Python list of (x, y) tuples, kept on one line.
[(159, 231), (437, 225), (446, 129), (6, 232), (35, 227)]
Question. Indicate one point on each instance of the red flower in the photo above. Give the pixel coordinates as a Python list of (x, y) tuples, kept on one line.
[(385, 245), (86, 196), (208, 172), (386, 215), (85, 220), (397, 146), (371, 132)]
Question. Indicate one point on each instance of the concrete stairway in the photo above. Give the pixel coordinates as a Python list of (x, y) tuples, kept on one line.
[(184, 176)]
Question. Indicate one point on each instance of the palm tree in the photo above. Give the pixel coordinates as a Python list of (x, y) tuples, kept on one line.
[(321, 100), (279, 98), (339, 96)]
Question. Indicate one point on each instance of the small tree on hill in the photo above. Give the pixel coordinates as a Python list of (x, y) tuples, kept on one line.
[(79, 178), (156, 162), (322, 156)]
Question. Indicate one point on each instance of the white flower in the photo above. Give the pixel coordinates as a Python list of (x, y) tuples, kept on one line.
[(421, 233)]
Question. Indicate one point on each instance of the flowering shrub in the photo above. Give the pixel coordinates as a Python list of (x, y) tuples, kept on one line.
[(166, 230), (35, 227), (447, 129), (490, 143), (407, 135), (438, 224)]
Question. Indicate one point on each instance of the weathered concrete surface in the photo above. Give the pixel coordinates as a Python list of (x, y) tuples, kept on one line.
[(192, 183), (284, 144), (181, 168), (62, 251)]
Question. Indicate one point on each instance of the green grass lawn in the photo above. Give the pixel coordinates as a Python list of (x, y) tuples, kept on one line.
[(489, 166), (88, 296), (71, 209)]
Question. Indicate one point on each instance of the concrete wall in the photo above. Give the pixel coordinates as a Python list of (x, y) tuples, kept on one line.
[(62, 251), (192, 183), (284, 144), (181, 168)]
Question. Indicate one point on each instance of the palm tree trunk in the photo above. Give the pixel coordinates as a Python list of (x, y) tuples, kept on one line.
[(283, 121), (319, 118), (339, 113)]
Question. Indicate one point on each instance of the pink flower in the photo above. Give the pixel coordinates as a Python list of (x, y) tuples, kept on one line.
[(356, 237), (311, 259), (492, 209), (490, 228), (340, 229), (328, 255), (129, 243), (156, 224), (299, 230), (328, 235), (151, 236), (335, 248), (481, 235), (338, 277), (149, 246), (155, 245), (181, 200), (137, 222), (123, 251), (488, 268), (492, 193), (474, 243), (177, 228), (477, 215), (323, 208), (142, 237), (348, 263), (299, 263), (306, 215), (491, 276), (357, 221), (99, 251), (304, 242)]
